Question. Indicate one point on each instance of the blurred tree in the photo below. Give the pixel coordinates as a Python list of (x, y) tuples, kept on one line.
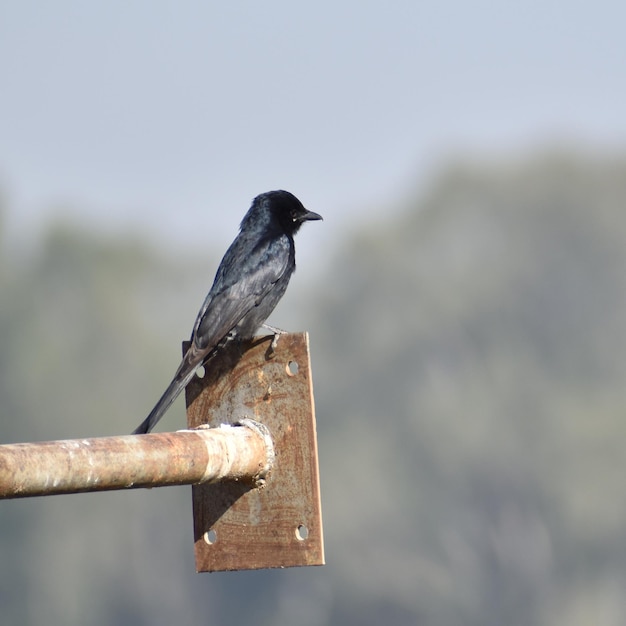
[(477, 353), (469, 359)]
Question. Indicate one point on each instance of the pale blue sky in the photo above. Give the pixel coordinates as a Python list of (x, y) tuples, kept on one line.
[(173, 115)]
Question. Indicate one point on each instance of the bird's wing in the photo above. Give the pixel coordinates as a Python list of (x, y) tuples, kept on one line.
[(238, 288)]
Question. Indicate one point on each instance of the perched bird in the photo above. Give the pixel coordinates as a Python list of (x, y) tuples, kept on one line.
[(250, 280)]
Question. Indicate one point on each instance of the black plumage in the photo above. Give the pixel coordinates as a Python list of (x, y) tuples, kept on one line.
[(249, 283)]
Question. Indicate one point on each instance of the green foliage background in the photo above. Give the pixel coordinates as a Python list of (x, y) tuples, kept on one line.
[(469, 359)]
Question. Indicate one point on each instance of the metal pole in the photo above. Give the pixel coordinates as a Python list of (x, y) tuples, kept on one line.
[(243, 453)]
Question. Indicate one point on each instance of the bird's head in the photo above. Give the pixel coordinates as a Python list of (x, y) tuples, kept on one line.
[(283, 209)]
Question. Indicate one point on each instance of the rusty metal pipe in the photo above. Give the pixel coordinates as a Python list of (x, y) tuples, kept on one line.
[(243, 453)]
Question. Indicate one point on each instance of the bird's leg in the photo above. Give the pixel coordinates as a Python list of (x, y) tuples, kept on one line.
[(274, 329), (277, 333)]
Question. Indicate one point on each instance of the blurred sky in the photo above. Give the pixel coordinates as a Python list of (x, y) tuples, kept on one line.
[(171, 116)]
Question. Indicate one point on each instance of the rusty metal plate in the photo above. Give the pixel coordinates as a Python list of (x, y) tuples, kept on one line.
[(238, 525)]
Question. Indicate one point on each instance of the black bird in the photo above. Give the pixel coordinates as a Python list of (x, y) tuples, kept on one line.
[(250, 280)]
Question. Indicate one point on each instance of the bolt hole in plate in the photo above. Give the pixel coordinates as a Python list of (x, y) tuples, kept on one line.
[(302, 532), (292, 368), (210, 536)]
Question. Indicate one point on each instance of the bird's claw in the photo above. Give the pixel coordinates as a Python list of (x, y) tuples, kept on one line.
[(277, 333)]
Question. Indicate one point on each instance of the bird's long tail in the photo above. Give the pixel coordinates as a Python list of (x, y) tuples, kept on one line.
[(180, 381)]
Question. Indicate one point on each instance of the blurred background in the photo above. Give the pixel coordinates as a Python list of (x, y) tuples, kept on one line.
[(465, 295)]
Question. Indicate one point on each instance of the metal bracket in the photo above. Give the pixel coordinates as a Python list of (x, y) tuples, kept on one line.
[(241, 525)]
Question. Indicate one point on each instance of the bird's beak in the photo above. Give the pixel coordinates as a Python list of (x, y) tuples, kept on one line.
[(310, 216)]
